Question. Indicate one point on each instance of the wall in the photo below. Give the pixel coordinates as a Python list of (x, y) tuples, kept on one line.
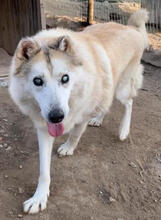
[(18, 18)]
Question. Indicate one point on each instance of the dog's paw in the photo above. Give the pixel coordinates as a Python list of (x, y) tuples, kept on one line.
[(95, 122), (65, 150), (124, 132), (36, 203)]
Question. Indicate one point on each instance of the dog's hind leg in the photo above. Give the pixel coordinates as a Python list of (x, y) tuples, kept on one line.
[(126, 121), (40, 197), (74, 137), (97, 121), (126, 90)]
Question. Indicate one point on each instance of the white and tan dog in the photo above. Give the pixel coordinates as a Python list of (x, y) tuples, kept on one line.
[(63, 79)]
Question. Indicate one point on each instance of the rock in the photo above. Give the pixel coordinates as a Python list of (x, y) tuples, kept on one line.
[(141, 182), (5, 135), (8, 148), (20, 216), (132, 164), (112, 199), (20, 166), (3, 83), (20, 190), (11, 212)]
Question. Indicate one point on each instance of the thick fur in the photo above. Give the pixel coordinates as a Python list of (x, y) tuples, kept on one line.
[(102, 61), (138, 19)]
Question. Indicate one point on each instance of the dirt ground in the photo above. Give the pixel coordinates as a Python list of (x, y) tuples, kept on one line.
[(106, 179)]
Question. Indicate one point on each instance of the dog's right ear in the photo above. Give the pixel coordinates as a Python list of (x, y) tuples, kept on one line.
[(26, 49)]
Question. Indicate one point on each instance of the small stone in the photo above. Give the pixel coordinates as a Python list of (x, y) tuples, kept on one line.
[(5, 135), (120, 219), (4, 84), (20, 216), (20, 166), (20, 190), (5, 119), (11, 212), (113, 162), (8, 148), (112, 199), (141, 182), (100, 192), (132, 164), (1, 145)]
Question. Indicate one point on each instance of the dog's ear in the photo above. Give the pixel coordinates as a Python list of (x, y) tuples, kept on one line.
[(62, 43), (66, 44), (27, 48)]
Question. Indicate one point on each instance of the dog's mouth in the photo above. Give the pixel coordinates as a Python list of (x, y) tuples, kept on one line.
[(55, 129)]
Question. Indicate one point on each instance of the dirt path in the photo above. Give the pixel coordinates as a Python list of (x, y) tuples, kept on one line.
[(105, 180)]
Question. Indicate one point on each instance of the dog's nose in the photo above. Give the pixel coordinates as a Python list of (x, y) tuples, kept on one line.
[(56, 115)]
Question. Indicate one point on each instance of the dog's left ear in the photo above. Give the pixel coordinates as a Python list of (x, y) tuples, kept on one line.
[(63, 43)]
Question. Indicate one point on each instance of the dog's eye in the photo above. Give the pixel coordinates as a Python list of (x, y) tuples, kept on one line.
[(38, 81), (64, 79)]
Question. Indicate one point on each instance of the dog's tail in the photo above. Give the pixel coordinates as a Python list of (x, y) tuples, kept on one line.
[(138, 19)]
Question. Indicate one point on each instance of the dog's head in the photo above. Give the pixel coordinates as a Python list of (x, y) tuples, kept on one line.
[(49, 72)]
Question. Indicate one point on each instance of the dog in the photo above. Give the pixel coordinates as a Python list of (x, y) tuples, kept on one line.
[(64, 80)]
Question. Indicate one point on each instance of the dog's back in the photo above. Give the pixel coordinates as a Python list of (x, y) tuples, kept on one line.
[(122, 43)]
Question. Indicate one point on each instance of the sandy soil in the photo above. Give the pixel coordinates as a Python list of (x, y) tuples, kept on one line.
[(106, 179)]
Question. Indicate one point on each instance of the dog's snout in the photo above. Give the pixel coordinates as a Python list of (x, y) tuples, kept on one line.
[(56, 115)]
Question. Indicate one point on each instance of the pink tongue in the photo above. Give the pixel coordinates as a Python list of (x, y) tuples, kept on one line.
[(55, 130)]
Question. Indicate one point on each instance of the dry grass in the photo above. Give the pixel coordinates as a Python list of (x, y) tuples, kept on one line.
[(155, 40), (129, 7)]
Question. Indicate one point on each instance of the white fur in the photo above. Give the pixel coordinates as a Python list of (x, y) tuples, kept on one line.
[(98, 69), (138, 19), (97, 121), (40, 197), (74, 136), (125, 124), (126, 90)]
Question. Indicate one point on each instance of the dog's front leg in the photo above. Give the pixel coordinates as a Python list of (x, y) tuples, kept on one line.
[(74, 136), (39, 199)]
